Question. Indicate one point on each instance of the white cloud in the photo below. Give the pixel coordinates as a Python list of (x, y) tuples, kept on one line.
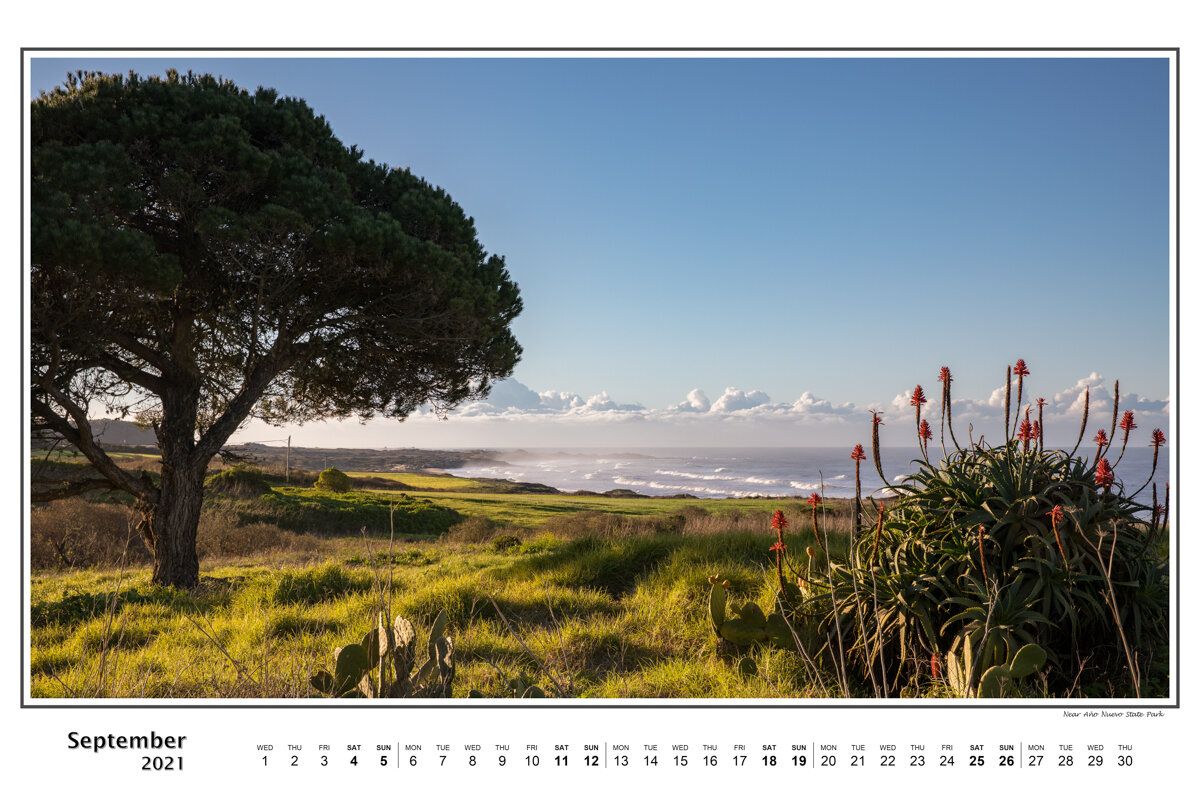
[(697, 401), (560, 401), (513, 394), (737, 400), (602, 402), (515, 415)]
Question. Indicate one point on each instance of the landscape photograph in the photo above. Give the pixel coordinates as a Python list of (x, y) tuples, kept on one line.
[(580, 377)]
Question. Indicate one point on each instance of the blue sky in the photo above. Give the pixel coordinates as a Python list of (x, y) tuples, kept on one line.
[(787, 235)]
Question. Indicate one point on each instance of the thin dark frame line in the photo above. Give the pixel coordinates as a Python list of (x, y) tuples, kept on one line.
[(641, 49), (700, 704)]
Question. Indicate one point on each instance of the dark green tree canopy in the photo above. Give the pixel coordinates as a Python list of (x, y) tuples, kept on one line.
[(187, 230), (202, 254)]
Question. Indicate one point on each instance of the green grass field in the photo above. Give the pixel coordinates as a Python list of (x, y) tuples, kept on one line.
[(601, 618), (608, 594), (421, 480), (582, 596), (530, 511)]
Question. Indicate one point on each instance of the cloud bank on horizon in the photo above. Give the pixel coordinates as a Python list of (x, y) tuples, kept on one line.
[(514, 415)]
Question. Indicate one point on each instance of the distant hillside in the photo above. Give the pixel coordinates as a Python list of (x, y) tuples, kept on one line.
[(314, 459), (120, 431)]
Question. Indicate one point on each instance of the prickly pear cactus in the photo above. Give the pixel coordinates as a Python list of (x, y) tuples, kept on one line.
[(748, 624), (362, 669), (716, 605), (998, 679)]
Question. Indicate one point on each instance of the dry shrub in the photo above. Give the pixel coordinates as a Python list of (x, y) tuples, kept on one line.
[(478, 530), (603, 525), (696, 521), (472, 530), (75, 533), (137, 464), (220, 534)]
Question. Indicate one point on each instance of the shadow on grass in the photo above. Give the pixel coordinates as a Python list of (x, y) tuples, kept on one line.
[(612, 566), (79, 607)]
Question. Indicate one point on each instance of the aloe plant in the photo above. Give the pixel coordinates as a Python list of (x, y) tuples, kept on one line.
[(1001, 547)]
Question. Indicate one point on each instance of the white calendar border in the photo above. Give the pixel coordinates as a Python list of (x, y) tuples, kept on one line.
[(33, 730)]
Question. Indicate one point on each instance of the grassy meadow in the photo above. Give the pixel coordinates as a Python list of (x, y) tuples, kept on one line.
[(583, 596), (598, 596)]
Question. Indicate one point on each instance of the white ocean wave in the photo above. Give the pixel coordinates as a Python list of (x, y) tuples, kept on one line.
[(694, 476), (628, 482)]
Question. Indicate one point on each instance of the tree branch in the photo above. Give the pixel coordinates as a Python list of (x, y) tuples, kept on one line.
[(131, 374), (63, 489), (147, 354), (80, 435), (242, 404)]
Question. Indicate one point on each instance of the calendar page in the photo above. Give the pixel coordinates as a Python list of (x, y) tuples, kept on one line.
[(601, 413)]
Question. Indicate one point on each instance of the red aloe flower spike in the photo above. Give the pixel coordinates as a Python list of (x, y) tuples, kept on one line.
[(935, 666), (1020, 370), (925, 431), (778, 549), (878, 533), (858, 455), (814, 500), (1112, 433), (918, 400), (1056, 516), (1127, 424), (778, 523), (1104, 474), (1038, 430), (1157, 440), (1156, 507), (1087, 397), (1166, 502), (1026, 432), (1101, 441), (944, 377), (875, 423)]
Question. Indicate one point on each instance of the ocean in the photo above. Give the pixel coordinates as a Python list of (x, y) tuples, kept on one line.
[(741, 472)]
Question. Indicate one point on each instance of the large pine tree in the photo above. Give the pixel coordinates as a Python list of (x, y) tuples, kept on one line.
[(202, 254)]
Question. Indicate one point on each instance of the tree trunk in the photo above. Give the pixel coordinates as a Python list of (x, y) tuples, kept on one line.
[(169, 528), (170, 525)]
